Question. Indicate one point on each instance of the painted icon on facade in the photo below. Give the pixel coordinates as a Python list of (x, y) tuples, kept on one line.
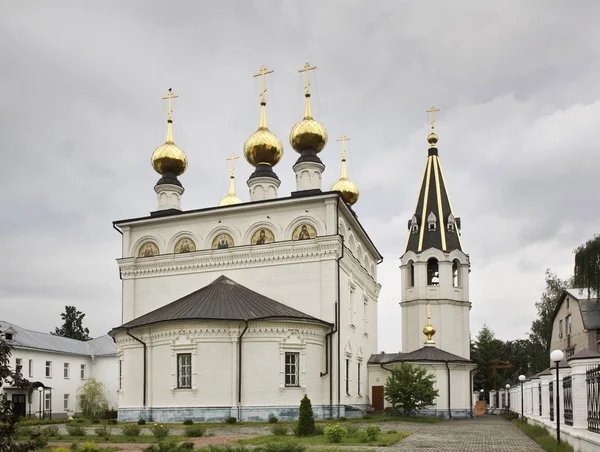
[(148, 249), (222, 241), (262, 236), (185, 245), (304, 232)]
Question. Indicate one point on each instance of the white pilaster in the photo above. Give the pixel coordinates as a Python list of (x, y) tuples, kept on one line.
[(262, 188), (308, 175), (169, 196)]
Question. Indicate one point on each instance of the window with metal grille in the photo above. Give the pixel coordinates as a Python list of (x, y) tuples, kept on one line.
[(184, 370), (292, 361), (347, 377), (568, 400), (551, 389), (540, 397)]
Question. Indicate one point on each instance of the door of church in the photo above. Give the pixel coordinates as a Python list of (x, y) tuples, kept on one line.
[(377, 397), (18, 401)]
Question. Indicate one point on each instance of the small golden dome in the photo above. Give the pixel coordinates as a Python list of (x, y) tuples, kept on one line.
[(230, 200), (348, 190), (263, 146), (432, 138), (428, 330), (168, 158), (308, 133)]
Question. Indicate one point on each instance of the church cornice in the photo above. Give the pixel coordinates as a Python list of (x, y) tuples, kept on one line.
[(321, 248)]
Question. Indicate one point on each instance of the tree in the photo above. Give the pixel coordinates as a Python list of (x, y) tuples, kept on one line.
[(8, 419), (91, 398), (410, 388), (485, 351), (587, 266), (72, 325), (541, 328), (306, 418)]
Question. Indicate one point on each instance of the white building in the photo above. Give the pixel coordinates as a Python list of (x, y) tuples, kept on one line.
[(435, 286), (57, 367)]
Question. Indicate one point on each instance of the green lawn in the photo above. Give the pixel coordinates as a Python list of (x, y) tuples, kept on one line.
[(543, 437), (385, 439)]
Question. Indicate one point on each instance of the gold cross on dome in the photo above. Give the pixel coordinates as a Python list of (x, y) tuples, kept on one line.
[(262, 72), (343, 139), (432, 110), (233, 158), (307, 67), (169, 97)]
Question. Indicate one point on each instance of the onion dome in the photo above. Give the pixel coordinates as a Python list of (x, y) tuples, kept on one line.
[(169, 158), (429, 330), (348, 190), (308, 134), (231, 197), (263, 147)]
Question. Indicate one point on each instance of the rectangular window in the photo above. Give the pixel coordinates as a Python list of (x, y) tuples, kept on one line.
[(347, 377), (569, 324), (66, 371), (560, 328), (49, 369), (291, 369), (31, 368), (48, 401), (184, 370), (19, 366), (120, 374), (358, 374), (66, 402), (82, 372)]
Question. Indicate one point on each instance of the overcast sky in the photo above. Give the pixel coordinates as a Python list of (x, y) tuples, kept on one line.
[(81, 113)]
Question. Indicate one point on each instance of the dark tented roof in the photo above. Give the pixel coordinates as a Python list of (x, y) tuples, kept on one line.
[(424, 354), (223, 299), (433, 198)]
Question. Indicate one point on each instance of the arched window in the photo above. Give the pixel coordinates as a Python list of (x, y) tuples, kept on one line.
[(413, 224), (433, 273), (431, 221), (456, 273), (411, 274)]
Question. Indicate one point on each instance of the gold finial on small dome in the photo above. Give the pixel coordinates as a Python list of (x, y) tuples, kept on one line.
[(263, 146), (231, 197), (308, 133), (432, 138), (168, 158), (429, 330), (346, 187)]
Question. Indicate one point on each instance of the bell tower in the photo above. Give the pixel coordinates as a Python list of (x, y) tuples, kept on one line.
[(434, 267)]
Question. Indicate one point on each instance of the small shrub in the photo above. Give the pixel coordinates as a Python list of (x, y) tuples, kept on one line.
[(95, 421), (188, 422), (160, 431), (131, 430), (279, 430), (372, 433), (335, 433), (141, 421), (103, 431), (89, 447), (52, 430), (195, 431), (75, 430), (319, 430), (273, 420), (112, 421), (306, 418), (231, 420)]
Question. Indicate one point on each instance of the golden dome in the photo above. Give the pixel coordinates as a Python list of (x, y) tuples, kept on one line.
[(432, 138), (348, 190), (263, 146), (168, 158), (429, 330), (231, 197), (308, 133), (230, 200)]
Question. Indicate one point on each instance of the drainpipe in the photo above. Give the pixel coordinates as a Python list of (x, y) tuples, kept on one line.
[(327, 343), (145, 384), (338, 305), (240, 370), (449, 409), (471, 392)]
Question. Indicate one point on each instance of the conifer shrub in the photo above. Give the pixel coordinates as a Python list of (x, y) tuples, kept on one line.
[(231, 420), (306, 418), (273, 420), (141, 421), (188, 422)]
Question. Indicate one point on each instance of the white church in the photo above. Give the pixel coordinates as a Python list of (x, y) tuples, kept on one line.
[(242, 308)]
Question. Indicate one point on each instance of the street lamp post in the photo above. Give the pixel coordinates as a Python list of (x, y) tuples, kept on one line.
[(481, 391), (557, 356), (40, 389), (507, 399), (522, 379)]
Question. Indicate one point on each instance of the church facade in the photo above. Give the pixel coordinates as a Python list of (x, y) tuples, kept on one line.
[(241, 309)]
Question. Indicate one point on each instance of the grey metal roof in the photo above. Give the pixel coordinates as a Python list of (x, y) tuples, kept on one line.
[(36, 340), (589, 307), (586, 353), (424, 354), (223, 299)]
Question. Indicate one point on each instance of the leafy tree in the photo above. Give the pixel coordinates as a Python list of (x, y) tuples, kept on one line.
[(8, 418), (306, 418), (91, 398), (410, 388), (541, 328), (587, 266), (72, 325)]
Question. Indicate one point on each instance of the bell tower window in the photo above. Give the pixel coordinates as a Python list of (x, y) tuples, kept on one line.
[(433, 273), (456, 274), (431, 222), (411, 274), (413, 225), (451, 223)]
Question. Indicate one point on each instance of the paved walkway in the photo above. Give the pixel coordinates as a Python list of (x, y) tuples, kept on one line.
[(481, 434)]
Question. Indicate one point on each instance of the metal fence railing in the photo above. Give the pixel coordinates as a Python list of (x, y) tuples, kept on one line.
[(551, 389), (568, 400), (592, 380)]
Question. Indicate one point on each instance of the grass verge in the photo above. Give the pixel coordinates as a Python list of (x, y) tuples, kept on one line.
[(384, 440), (112, 439), (543, 437)]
